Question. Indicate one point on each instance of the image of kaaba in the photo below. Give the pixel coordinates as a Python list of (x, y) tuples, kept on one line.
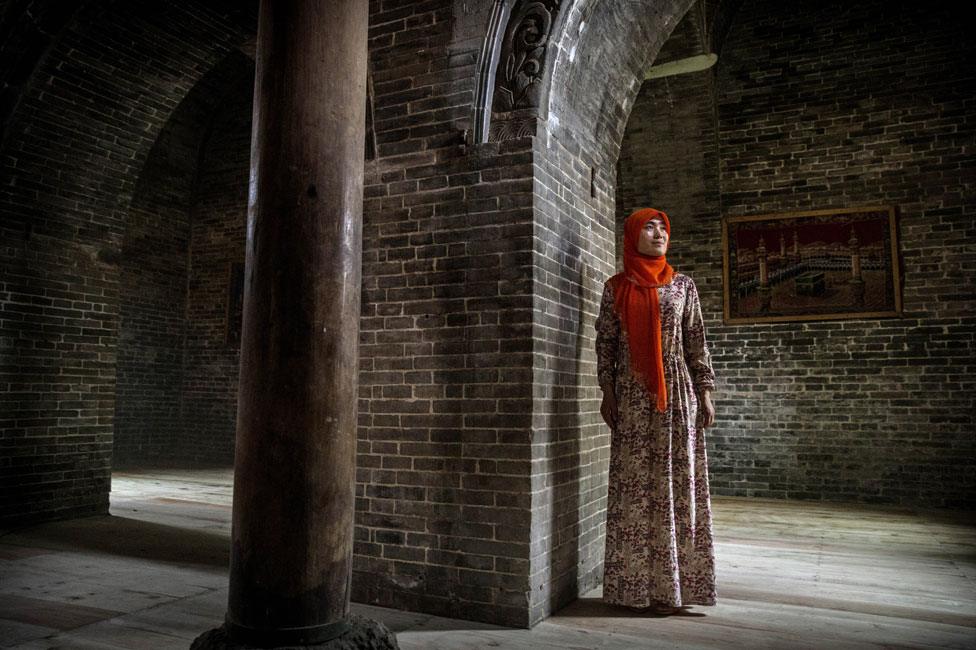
[(812, 267)]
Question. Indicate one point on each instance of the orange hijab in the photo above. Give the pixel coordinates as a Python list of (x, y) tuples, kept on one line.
[(636, 303)]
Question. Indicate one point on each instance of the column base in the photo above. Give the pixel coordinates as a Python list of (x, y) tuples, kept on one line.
[(362, 633)]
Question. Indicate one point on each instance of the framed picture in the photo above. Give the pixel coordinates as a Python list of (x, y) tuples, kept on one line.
[(819, 265)]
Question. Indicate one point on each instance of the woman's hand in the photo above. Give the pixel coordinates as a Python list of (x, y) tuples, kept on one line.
[(608, 408), (707, 409)]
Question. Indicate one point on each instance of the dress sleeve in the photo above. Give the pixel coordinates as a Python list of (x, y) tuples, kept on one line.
[(607, 339), (697, 357)]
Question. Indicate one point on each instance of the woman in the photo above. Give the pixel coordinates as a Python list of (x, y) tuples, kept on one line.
[(657, 380)]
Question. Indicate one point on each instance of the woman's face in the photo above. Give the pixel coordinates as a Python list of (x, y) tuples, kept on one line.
[(653, 239)]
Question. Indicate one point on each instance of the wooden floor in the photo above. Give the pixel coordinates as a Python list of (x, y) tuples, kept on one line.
[(791, 575)]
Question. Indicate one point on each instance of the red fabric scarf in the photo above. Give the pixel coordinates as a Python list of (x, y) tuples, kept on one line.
[(636, 303)]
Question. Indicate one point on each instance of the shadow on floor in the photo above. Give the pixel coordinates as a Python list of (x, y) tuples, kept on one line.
[(596, 608), (128, 537)]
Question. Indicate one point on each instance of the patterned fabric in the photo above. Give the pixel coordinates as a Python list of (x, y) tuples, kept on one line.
[(659, 519)]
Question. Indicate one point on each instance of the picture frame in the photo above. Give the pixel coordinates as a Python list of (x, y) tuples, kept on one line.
[(814, 265)]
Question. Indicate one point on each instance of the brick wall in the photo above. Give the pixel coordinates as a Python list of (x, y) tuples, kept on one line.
[(81, 132), (669, 160), (443, 487), (570, 445), (179, 348), (443, 481), (830, 105), (25, 35), (153, 270), (216, 251)]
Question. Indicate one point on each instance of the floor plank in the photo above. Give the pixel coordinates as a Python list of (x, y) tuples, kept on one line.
[(790, 575)]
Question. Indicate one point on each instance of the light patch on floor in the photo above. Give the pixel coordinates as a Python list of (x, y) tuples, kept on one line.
[(790, 575)]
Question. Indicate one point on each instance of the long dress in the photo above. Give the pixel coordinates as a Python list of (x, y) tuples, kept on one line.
[(659, 522)]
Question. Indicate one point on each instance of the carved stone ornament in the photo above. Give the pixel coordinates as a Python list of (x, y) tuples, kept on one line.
[(523, 55), (516, 124)]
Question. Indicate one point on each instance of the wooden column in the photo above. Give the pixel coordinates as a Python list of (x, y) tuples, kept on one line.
[(296, 419)]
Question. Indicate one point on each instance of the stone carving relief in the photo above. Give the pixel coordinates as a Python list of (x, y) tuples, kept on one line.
[(518, 79), (523, 55)]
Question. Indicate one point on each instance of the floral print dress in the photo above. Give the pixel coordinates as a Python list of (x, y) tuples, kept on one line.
[(659, 521)]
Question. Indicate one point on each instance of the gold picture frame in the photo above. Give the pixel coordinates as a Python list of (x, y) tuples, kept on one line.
[(813, 265)]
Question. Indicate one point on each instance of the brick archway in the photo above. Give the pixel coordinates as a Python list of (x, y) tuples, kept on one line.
[(85, 121), (600, 53)]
